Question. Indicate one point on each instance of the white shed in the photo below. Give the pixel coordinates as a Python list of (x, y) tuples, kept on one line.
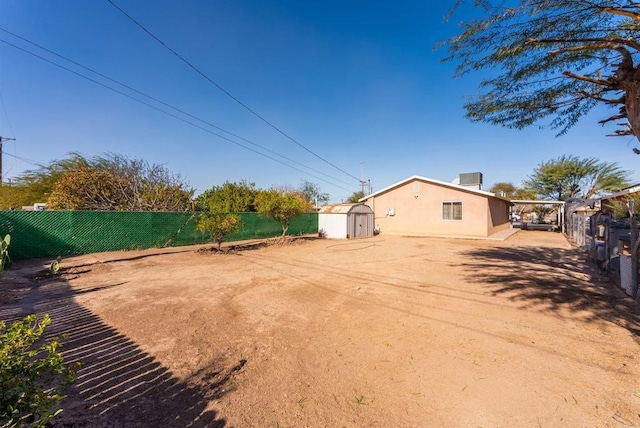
[(346, 221)]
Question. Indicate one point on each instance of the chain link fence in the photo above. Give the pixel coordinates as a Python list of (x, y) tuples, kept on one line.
[(36, 234)]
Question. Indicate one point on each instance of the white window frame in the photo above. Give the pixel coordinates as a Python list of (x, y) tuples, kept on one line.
[(449, 210)]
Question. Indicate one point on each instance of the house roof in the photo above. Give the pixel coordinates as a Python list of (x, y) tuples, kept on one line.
[(438, 182)]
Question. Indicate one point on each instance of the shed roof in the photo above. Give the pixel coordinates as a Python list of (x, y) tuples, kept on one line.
[(438, 182), (344, 208)]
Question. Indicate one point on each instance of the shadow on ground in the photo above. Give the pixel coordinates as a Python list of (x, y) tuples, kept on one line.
[(551, 279), (239, 248), (119, 385)]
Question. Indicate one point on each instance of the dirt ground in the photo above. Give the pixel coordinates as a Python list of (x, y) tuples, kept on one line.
[(387, 331)]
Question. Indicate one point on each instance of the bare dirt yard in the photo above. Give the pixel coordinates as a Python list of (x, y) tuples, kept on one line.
[(387, 331)]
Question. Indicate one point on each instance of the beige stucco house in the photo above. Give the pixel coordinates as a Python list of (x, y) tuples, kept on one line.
[(423, 206)]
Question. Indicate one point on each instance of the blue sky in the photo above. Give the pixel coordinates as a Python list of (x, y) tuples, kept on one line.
[(356, 82)]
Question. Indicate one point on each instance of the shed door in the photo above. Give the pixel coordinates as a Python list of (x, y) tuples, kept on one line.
[(361, 229)]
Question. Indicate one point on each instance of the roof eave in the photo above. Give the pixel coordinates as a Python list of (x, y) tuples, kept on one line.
[(432, 181)]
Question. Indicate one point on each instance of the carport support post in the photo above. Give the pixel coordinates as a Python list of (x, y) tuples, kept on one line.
[(634, 257)]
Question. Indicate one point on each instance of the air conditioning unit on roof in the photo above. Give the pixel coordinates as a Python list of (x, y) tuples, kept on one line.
[(471, 180)]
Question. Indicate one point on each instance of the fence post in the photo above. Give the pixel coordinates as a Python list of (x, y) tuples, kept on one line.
[(634, 250)]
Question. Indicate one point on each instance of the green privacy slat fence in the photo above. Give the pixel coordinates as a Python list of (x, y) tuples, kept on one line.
[(61, 233)]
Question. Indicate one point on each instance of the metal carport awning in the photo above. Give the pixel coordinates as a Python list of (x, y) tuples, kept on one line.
[(538, 202)]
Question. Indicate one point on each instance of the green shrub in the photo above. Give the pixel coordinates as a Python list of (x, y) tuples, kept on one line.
[(219, 225), (5, 260), (33, 377)]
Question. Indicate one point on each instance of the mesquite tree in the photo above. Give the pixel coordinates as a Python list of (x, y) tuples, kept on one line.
[(571, 176), (554, 58), (116, 182)]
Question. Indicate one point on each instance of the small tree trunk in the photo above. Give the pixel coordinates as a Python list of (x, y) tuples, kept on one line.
[(285, 227)]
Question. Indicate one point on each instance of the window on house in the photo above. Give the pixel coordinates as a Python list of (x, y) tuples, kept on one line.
[(452, 210)]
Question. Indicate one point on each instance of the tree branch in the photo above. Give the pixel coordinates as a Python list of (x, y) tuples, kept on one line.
[(601, 99), (625, 13), (600, 41), (627, 59), (612, 118), (586, 79), (622, 133)]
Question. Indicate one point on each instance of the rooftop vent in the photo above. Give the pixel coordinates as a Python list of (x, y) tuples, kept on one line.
[(472, 180)]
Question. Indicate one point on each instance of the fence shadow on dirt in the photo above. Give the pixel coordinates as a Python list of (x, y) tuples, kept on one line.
[(551, 279), (119, 384)]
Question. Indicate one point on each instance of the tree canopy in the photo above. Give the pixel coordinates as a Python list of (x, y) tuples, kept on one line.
[(311, 192), (230, 197), (220, 204), (115, 182), (355, 197), (280, 206), (36, 185), (571, 176), (554, 58), (107, 182), (509, 190), (86, 188), (219, 225), (506, 190)]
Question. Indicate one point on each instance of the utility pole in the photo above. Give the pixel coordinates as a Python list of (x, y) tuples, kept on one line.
[(1, 140), (362, 180)]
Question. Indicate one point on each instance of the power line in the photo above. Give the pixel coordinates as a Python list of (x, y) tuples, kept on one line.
[(166, 104), (2, 139), (32, 162), (226, 92), (165, 112), (6, 114)]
